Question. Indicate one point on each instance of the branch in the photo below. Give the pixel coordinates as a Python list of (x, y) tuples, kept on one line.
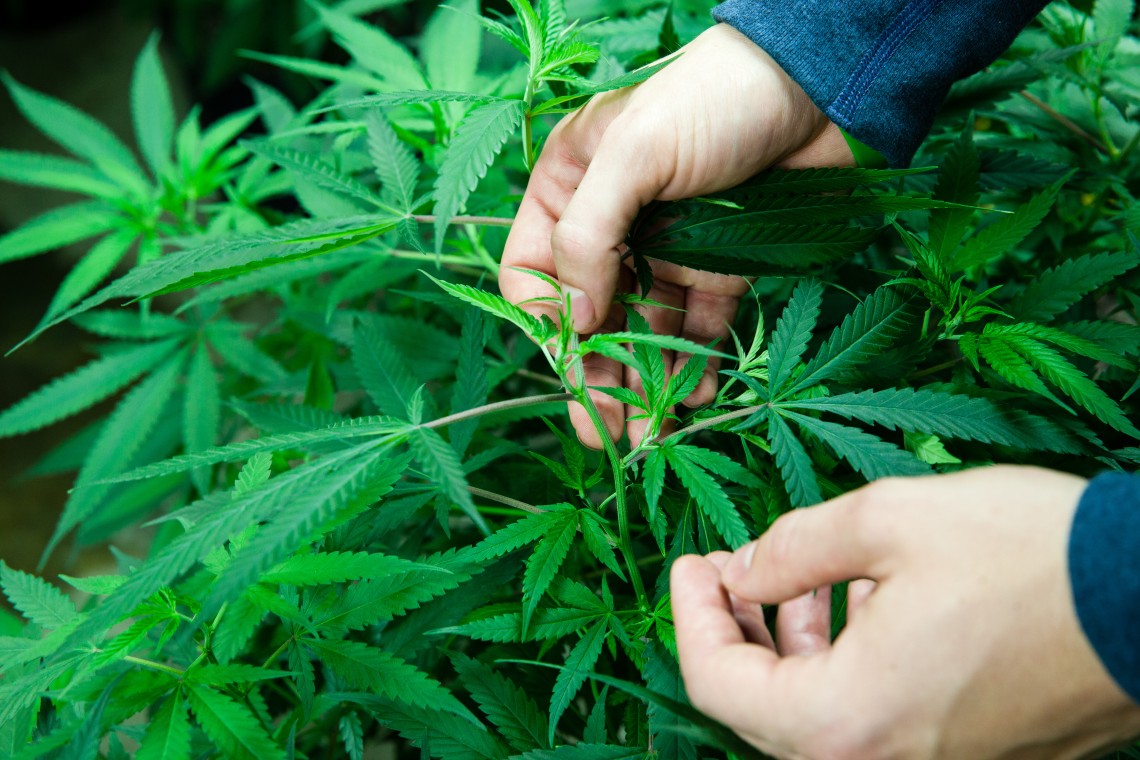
[(498, 406), (507, 500), (488, 221), (541, 378), (179, 672), (697, 427), (1065, 121)]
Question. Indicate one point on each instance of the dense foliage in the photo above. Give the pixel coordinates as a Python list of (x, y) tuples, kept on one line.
[(373, 524)]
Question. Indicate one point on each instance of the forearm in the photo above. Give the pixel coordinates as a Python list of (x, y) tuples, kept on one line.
[(1104, 568), (880, 68)]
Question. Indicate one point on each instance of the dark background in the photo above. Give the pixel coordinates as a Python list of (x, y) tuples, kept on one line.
[(83, 52)]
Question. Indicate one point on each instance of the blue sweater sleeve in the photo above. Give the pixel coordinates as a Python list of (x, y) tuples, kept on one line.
[(880, 68), (1104, 568)]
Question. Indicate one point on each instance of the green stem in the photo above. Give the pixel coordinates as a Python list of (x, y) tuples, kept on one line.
[(528, 139), (1064, 121), (936, 368), (142, 662), (506, 500), (625, 543), (539, 377), (1102, 126), (639, 454), (528, 117), (465, 261), (481, 251), (488, 221), (497, 511), (498, 406), (277, 653), (1127, 150)]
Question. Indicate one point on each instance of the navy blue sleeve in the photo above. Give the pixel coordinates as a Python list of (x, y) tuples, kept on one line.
[(1104, 568), (880, 68)]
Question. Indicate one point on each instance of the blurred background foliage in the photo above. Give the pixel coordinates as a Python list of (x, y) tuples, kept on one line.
[(83, 52)]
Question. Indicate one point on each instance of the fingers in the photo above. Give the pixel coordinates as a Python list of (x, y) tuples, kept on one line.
[(598, 371), (803, 624), (528, 243), (626, 172), (553, 181), (849, 537), (708, 316), (711, 303), (749, 616), (745, 686), (857, 592), (661, 321)]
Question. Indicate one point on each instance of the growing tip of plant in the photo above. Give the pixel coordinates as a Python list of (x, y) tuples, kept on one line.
[(579, 308)]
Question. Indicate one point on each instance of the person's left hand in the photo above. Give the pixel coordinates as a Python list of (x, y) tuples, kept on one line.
[(708, 121), (968, 646)]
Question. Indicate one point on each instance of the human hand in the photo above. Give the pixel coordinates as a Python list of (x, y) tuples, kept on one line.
[(710, 120), (968, 647)]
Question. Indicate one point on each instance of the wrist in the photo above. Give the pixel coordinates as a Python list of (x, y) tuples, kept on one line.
[(827, 148), (864, 155)]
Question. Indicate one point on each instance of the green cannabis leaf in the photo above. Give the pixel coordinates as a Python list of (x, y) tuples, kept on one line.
[(331, 468)]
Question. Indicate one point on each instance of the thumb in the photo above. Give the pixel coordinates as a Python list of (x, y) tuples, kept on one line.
[(853, 536), (625, 173)]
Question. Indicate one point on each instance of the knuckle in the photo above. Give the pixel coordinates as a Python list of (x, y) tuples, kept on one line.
[(852, 740), (871, 503), (781, 540), (884, 491), (702, 693), (698, 692), (637, 123), (573, 242)]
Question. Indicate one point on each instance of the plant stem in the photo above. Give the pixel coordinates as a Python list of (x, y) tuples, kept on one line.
[(506, 500), (528, 139), (539, 377), (497, 511), (1131, 146), (481, 251), (638, 455), (1065, 121), (154, 665), (625, 543), (465, 261), (532, 85), (1102, 125), (936, 368), (489, 221), (277, 653), (498, 406)]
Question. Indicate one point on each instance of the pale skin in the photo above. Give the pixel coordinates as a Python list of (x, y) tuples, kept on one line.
[(962, 640), (713, 118)]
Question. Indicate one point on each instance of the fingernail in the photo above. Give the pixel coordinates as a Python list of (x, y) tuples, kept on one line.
[(581, 310), (739, 565), (704, 393)]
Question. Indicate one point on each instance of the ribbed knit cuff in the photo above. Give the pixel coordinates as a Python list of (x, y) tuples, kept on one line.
[(1104, 569)]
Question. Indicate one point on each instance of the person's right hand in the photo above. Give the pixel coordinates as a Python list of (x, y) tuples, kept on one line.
[(969, 646), (718, 115)]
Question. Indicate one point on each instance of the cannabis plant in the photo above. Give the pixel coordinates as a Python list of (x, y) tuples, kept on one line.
[(373, 526)]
